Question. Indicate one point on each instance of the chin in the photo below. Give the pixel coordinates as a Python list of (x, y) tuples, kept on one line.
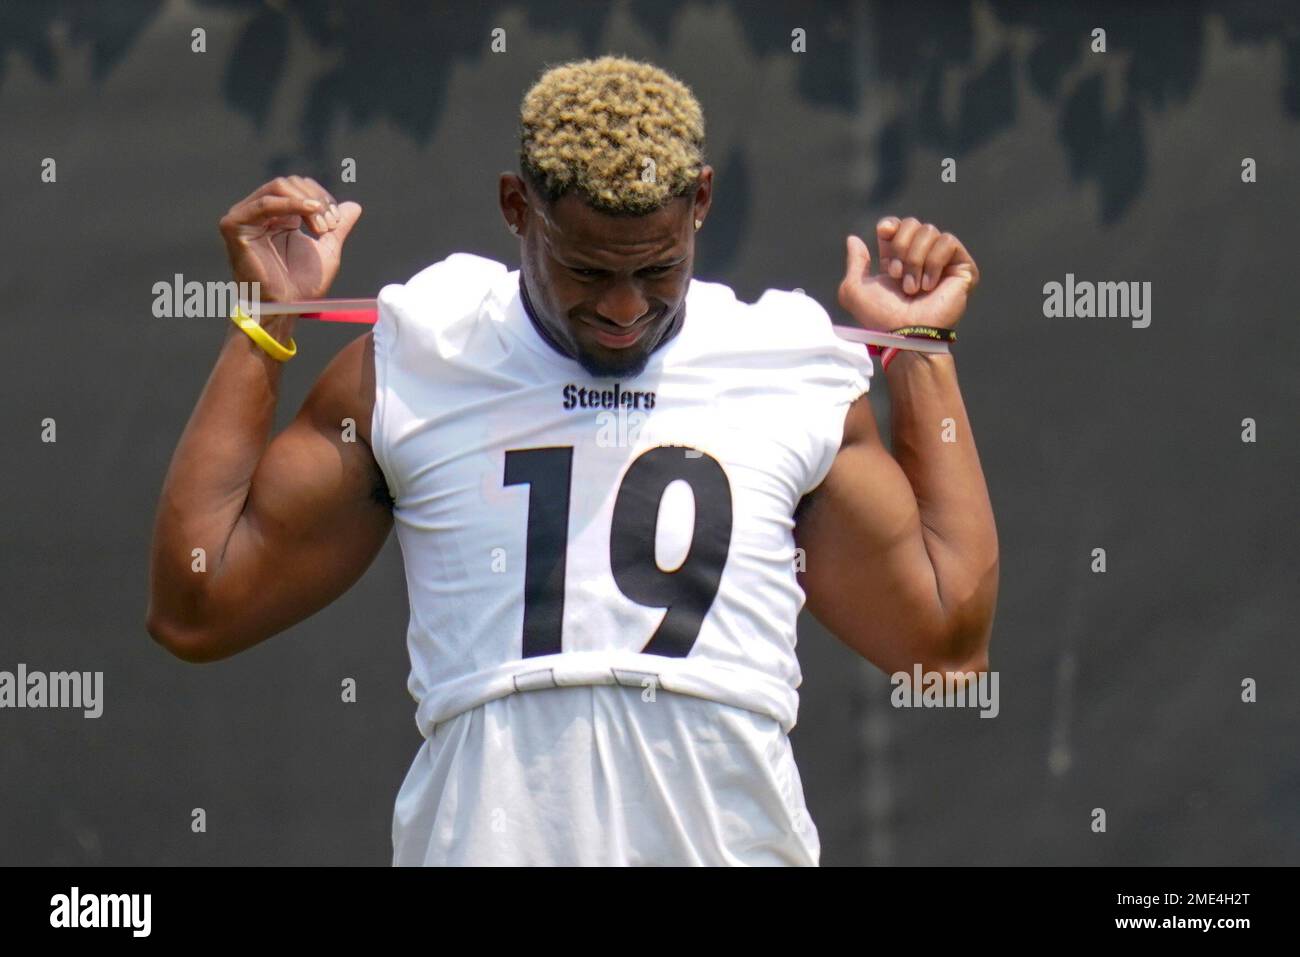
[(614, 366)]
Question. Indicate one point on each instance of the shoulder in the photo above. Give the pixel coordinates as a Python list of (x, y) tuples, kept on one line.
[(447, 287), (792, 314), (779, 319), (795, 326)]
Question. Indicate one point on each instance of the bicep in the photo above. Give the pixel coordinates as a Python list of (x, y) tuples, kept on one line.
[(867, 576), (315, 518)]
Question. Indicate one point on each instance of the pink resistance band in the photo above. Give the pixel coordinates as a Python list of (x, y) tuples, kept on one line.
[(366, 312)]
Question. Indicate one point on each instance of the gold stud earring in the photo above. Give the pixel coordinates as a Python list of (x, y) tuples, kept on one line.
[(699, 223), (514, 229)]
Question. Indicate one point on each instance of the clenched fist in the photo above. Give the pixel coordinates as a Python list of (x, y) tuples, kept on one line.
[(265, 244), (924, 277)]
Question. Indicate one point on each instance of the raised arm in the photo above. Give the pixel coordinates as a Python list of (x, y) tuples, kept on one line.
[(284, 527), (902, 551)]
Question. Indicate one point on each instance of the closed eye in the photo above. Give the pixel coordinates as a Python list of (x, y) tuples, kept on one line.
[(651, 271)]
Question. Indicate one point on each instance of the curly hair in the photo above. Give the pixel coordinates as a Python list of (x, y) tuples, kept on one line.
[(625, 134)]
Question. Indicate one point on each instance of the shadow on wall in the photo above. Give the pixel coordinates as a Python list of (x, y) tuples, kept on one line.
[(381, 68)]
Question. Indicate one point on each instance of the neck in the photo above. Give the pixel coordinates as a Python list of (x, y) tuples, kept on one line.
[(537, 323)]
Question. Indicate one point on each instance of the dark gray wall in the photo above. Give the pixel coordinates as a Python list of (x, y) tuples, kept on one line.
[(1119, 691)]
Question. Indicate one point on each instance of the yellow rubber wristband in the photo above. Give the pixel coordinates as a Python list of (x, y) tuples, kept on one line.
[(268, 343)]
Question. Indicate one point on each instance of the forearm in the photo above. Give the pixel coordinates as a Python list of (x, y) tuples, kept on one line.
[(211, 471), (935, 447)]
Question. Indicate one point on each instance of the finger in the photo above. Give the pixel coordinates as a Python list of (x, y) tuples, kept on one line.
[(901, 241), (277, 187), (962, 256), (914, 259), (885, 230), (857, 267), (315, 219), (330, 209), (937, 260), (284, 224), (857, 264), (348, 214), (261, 210), (314, 188), (253, 210)]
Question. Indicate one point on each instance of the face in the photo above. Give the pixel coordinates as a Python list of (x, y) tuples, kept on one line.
[(608, 289)]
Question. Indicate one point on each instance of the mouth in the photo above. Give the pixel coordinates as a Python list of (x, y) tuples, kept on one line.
[(623, 340)]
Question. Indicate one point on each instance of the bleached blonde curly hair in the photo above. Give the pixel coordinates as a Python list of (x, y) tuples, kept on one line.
[(625, 134)]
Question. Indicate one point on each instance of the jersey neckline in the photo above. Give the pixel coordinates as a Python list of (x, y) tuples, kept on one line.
[(507, 304)]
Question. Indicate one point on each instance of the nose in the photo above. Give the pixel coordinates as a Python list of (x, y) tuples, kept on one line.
[(622, 305)]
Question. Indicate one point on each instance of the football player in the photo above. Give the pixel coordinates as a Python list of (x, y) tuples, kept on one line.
[(614, 485)]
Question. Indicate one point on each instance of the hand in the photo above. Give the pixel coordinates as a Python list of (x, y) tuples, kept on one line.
[(924, 279), (265, 245)]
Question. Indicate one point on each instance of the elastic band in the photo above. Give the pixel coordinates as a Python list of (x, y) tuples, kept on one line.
[(928, 332), (266, 341), (883, 340)]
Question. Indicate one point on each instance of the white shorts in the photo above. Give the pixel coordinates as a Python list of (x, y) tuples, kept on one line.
[(595, 775)]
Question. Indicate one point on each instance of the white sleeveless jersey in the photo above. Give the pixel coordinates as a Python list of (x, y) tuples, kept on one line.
[(561, 530)]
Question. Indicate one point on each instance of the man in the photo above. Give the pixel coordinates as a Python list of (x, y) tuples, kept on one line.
[(602, 473)]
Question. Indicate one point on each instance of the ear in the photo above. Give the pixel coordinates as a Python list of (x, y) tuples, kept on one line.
[(703, 197), (513, 198)]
